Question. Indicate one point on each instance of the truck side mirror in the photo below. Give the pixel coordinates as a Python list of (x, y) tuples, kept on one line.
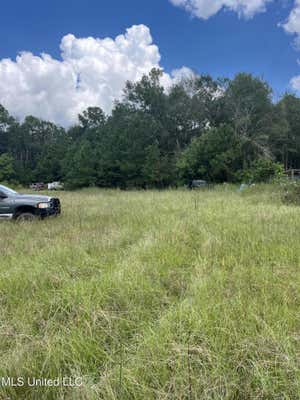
[(2, 195)]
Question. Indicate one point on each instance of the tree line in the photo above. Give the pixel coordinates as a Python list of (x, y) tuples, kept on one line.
[(219, 130)]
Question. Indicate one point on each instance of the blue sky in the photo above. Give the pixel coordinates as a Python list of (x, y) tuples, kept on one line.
[(221, 45)]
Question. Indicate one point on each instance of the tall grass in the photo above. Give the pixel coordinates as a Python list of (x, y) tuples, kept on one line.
[(154, 295)]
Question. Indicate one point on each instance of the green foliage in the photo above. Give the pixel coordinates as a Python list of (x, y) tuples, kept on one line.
[(92, 118), (157, 295), (80, 166), (263, 170), (7, 172), (213, 156), (287, 142), (158, 169), (218, 130), (290, 190)]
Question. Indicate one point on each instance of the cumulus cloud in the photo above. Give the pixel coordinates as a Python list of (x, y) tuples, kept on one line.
[(292, 26), (295, 83), (204, 9), (182, 73), (91, 72)]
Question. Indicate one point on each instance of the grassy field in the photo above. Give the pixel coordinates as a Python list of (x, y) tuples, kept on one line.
[(154, 295)]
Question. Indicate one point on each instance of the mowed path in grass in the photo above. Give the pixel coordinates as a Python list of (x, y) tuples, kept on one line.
[(154, 295)]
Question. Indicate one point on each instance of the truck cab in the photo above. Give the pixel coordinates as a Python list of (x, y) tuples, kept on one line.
[(17, 206)]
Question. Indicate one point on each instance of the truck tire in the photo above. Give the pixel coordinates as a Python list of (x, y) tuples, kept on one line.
[(26, 216)]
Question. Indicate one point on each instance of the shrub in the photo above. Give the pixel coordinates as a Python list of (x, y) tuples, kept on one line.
[(263, 170), (6, 168), (290, 191)]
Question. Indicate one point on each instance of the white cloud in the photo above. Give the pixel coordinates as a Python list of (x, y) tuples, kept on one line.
[(295, 83), (92, 72), (292, 26), (182, 73), (204, 9)]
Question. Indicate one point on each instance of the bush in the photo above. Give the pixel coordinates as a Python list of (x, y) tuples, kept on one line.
[(290, 191), (263, 170), (7, 172)]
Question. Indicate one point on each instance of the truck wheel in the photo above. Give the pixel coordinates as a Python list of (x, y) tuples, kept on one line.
[(27, 216)]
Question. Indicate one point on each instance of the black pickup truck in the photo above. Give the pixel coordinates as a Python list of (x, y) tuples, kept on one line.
[(26, 207)]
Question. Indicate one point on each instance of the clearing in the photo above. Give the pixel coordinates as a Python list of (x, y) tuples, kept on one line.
[(154, 295)]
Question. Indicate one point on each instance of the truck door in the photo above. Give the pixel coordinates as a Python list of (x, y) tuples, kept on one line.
[(5, 207)]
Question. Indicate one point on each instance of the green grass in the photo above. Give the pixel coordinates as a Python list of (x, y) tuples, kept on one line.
[(154, 295)]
